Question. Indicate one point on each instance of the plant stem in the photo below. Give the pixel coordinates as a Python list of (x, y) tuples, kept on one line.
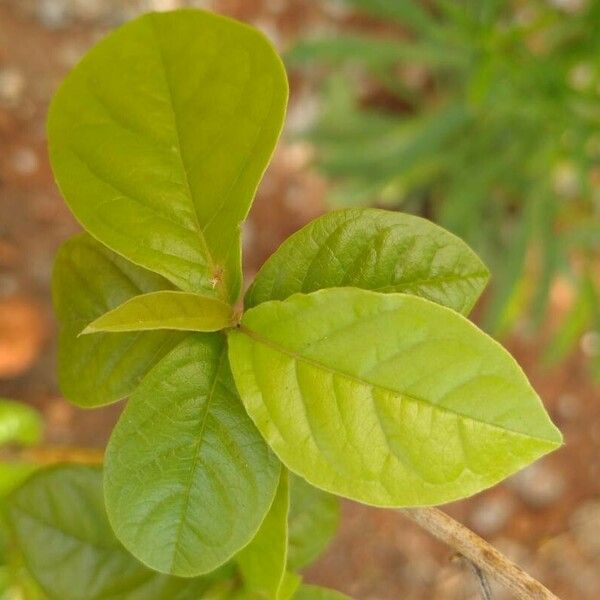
[(479, 552)]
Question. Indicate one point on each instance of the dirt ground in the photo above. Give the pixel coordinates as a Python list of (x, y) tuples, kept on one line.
[(547, 517)]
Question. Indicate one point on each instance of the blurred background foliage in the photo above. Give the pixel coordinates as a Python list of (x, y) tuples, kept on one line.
[(483, 115)]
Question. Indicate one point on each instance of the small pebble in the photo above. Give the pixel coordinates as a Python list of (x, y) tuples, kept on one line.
[(53, 14), (12, 85), (538, 485), (585, 527), (22, 330), (491, 514), (568, 406), (24, 161)]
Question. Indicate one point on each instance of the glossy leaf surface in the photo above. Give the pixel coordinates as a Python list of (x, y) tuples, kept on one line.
[(377, 250), (159, 137), (263, 561), (313, 521), (388, 399), (19, 423), (165, 310), (60, 526), (188, 478), (88, 281)]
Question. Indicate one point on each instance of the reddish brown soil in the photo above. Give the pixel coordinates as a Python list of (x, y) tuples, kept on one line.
[(377, 554)]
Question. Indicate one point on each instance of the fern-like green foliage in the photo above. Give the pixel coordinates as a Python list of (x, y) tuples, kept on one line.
[(485, 116)]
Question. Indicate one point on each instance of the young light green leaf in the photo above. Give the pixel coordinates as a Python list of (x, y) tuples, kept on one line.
[(19, 423), (263, 561), (166, 310), (312, 522), (377, 250), (60, 526), (388, 399), (314, 592), (88, 281), (159, 137), (188, 478)]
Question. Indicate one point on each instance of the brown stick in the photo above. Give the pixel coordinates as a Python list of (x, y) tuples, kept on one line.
[(479, 552)]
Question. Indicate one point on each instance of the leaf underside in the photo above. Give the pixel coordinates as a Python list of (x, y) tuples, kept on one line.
[(160, 160), (88, 281), (376, 250), (188, 478), (388, 399)]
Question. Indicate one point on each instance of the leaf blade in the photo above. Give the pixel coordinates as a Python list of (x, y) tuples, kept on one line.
[(313, 520), (198, 150), (186, 466), (373, 249), (375, 422), (165, 310), (88, 281), (62, 508), (263, 561)]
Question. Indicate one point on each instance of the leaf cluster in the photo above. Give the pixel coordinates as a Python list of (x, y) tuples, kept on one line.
[(484, 116), (352, 371)]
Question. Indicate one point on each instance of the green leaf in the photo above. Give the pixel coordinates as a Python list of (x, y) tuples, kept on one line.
[(263, 561), (166, 310), (290, 584), (19, 423), (377, 250), (60, 526), (313, 521), (88, 281), (313, 592), (188, 478), (12, 475), (160, 136), (388, 399)]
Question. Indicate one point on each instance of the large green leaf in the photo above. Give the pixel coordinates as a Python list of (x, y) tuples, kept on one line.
[(60, 526), (19, 423), (377, 250), (88, 281), (313, 520), (263, 561), (388, 399), (159, 137), (166, 310), (188, 478)]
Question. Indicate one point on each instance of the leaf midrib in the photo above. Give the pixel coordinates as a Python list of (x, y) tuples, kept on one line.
[(257, 337), (177, 132), (196, 458)]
